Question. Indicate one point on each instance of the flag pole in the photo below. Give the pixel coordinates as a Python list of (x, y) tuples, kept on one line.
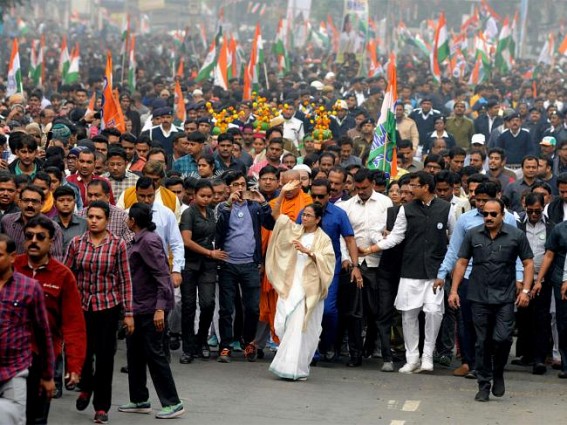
[(266, 76)]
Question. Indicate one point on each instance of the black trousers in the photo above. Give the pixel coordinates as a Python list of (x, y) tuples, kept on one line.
[(101, 346), (370, 299), (349, 304), (494, 325), (446, 338), (534, 327), (37, 406), (146, 348), (387, 290), (206, 283)]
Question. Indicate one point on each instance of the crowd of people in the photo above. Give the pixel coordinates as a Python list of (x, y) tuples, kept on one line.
[(272, 233)]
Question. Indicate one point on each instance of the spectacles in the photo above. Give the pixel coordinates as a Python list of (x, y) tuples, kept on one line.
[(490, 213), (31, 235), (319, 196), (31, 201), (308, 215), (537, 212)]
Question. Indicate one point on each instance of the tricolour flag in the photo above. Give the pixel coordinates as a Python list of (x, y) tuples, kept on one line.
[(478, 73), (125, 33), (14, 84), (64, 59), (280, 51), (111, 112), (548, 50), (503, 58), (221, 68), (252, 71), (209, 64), (383, 150), (563, 47), (132, 65), (441, 50), (35, 64), (73, 71)]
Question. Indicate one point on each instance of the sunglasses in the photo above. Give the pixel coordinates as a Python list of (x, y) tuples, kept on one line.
[(490, 213), (538, 212), (30, 236), (319, 196)]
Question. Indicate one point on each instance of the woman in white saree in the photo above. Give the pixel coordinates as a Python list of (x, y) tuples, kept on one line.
[(300, 262)]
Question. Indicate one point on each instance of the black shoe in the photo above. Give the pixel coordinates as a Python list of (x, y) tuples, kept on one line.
[(83, 401), (539, 369), (562, 375), (174, 342), (482, 395), (124, 369), (58, 391), (186, 358), (522, 361), (260, 354), (205, 352), (471, 375), (498, 388), (330, 356), (354, 362)]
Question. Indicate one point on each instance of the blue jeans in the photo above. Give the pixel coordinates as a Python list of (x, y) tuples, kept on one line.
[(248, 277), (330, 317)]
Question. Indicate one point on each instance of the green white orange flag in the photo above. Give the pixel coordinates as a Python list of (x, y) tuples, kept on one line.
[(548, 51), (252, 71), (36, 63), (14, 83), (64, 59), (209, 64), (125, 33), (132, 65), (503, 57), (441, 50), (563, 47), (73, 71), (383, 150), (280, 51), (221, 68), (111, 112)]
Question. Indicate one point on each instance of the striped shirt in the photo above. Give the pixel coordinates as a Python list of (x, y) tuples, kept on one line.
[(102, 272), (23, 315)]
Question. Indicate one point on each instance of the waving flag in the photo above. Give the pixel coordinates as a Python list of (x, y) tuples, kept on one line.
[(441, 50), (14, 84), (180, 110), (563, 47), (221, 68), (64, 58), (252, 72), (36, 62), (548, 51), (111, 113), (73, 71), (503, 58), (280, 50), (132, 65), (382, 153)]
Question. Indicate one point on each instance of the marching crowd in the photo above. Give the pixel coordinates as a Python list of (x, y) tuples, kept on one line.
[(182, 236)]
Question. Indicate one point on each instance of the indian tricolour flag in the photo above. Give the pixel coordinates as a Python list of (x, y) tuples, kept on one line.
[(441, 50), (280, 50), (503, 58), (383, 150), (64, 58), (132, 65), (14, 72), (563, 47), (73, 71)]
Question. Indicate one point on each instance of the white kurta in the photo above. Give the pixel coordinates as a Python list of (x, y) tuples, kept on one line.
[(418, 293), (297, 347)]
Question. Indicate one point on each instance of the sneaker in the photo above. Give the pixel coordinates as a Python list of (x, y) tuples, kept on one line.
[(186, 358), (426, 365), (409, 368), (83, 401), (101, 417), (224, 356), (387, 367), (143, 407), (170, 412), (205, 352), (250, 353), (213, 341), (236, 346)]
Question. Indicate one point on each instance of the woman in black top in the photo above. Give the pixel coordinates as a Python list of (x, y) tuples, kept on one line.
[(198, 227)]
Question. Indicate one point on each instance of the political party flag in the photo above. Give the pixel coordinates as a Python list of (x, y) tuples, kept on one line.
[(180, 110), (14, 83), (383, 150), (111, 112)]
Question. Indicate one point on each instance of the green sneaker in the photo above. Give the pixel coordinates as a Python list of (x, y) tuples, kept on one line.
[(169, 412), (143, 407)]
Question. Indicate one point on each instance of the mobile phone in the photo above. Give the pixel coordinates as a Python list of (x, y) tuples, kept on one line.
[(6, 155), (247, 194)]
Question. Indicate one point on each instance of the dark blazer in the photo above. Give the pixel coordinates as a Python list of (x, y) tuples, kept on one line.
[(481, 125)]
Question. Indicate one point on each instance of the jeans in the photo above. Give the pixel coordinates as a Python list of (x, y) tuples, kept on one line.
[(13, 399), (247, 276), (102, 326), (494, 324), (330, 317), (37, 407), (465, 327), (206, 283), (145, 347)]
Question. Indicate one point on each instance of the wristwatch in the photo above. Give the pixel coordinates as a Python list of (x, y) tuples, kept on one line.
[(526, 291)]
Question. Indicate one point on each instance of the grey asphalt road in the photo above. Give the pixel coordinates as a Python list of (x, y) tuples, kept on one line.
[(247, 393)]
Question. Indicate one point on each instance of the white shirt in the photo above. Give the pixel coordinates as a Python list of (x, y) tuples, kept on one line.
[(168, 230), (398, 233), (368, 220), (293, 130)]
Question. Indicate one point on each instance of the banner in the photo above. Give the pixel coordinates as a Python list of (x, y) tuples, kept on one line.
[(353, 30)]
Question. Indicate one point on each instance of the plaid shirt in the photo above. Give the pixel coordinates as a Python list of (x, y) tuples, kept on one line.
[(103, 272), (116, 223), (119, 186), (13, 226), (23, 315), (187, 166)]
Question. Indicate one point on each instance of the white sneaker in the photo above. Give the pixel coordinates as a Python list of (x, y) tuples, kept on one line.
[(409, 368), (387, 367), (426, 365)]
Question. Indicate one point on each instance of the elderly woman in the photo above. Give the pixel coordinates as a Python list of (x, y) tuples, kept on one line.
[(300, 263)]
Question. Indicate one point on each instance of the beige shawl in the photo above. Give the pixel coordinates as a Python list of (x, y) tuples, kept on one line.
[(281, 258)]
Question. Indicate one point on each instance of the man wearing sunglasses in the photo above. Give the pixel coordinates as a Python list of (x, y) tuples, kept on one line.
[(63, 305), (492, 292)]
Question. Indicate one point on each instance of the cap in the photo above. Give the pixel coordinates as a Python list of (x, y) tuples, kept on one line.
[(341, 104), (160, 112), (374, 90), (318, 85), (276, 121), (511, 115), (327, 89), (548, 141), (77, 150), (197, 92), (368, 121), (329, 75), (478, 139), (491, 103), (61, 132), (204, 120), (302, 167)]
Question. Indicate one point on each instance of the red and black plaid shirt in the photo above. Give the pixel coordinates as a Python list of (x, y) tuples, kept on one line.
[(23, 315), (102, 272)]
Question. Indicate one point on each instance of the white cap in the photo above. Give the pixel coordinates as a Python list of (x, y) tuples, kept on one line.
[(341, 104), (302, 167), (329, 75), (478, 139), (197, 92), (318, 85)]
